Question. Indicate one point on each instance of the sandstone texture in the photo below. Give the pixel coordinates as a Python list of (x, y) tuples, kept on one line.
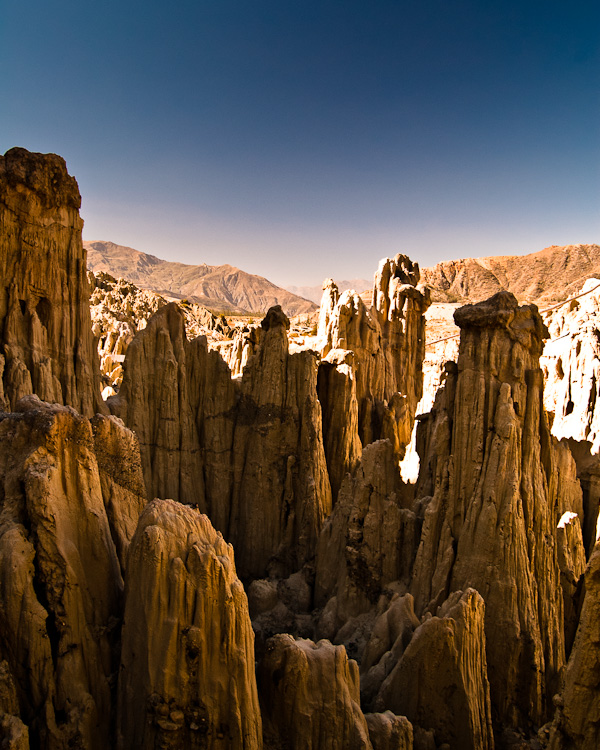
[(187, 660), (387, 342), (310, 694), (446, 659), (119, 310), (491, 522), (220, 288), (47, 346), (60, 573), (248, 452)]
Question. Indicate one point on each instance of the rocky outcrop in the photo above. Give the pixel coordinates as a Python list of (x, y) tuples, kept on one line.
[(388, 345), (13, 733), (119, 310), (60, 576), (248, 452), (46, 343), (281, 492), (491, 524), (440, 681), (309, 695), (187, 661)]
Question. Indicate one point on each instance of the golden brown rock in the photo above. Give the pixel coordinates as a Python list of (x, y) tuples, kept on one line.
[(440, 681), (491, 524), (47, 344), (247, 451), (388, 341), (187, 661), (389, 732), (60, 580), (310, 697), (369, 539)]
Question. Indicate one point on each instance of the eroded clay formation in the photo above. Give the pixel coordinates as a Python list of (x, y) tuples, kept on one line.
[(448, 613)]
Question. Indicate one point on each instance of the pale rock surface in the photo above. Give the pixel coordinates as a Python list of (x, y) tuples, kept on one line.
[(577, 721), (60, 578), (309, 696), (571, 365), (187, 661), (440, 682), (119, 310), (47, 345), (491, 524), (388, 342), (117, 454)]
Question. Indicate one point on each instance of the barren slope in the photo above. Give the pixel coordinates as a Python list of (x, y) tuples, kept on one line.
[(548, 276), (217, 287)]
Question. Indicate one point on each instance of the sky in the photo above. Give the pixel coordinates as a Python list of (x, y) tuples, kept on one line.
[(300, 139)]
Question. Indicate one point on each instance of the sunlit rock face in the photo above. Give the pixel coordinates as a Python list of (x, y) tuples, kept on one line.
[(247, 451), (388, 345), (60, 569), (47, 345), (491, 523), (571, 364), (187, 659)]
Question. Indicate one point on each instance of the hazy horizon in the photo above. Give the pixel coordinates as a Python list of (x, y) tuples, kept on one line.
[(300, 141)]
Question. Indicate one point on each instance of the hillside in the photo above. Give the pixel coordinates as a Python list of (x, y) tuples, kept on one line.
[(544, 277), (218, 287)]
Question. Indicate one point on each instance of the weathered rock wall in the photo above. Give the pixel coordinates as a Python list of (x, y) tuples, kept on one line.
[(491, 524), (46, 342), (388, 345), (247, 451), (60, 573)]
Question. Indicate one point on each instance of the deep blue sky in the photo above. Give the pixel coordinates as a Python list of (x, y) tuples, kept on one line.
[(302, 139)]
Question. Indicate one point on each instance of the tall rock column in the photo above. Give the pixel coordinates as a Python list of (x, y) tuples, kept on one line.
[(46, 342), (491, 524), (388, 342), (187, 677)]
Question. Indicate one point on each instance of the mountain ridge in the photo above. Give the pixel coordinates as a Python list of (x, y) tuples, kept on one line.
[(547, 276), (224, 288)]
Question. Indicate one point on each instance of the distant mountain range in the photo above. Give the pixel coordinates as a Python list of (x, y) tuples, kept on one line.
[(220, 288), (550, 275)]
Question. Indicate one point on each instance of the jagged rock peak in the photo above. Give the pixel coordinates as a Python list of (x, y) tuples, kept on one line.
[(393, 272), (47, 345), (310, 696)]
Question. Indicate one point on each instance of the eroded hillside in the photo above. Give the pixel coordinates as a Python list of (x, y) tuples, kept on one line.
[(231, 558)]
